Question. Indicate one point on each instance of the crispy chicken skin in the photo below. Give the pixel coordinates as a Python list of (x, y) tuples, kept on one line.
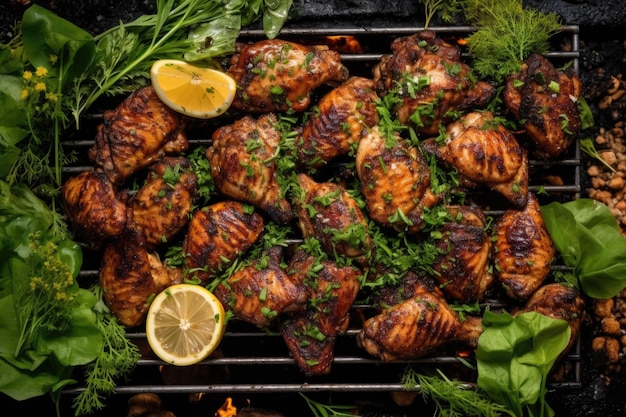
[(395, 181), (416, 327), (162, 206), (261, 291), (310, 335), (94, 208), (337, 123), (546, 99), (130, 276), (523, 250), (217, 234), (275, 75), (486, 154), (136, 134), (448, 84), (243, 164), (329, 214), (463, 260)]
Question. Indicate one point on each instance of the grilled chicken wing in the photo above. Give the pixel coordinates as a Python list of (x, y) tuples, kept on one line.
[(523, 250), (415, 328), (162, 206), (94, 208), (217, 234), (311, 335), (328, 213), (136, 134), (433, 81), (463, 258), (275, 75), (261, 291), (337, 122), (244, 167), (130, 276), (395, 181), (485, 153), (546, 99)]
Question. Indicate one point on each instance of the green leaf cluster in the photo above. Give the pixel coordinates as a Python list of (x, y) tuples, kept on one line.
[(589, 240)]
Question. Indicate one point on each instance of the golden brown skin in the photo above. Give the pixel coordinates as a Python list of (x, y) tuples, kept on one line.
[(486, 154), (463, 262), (311, 335), (523, 250), (94, 208), (162, 206), (450, 86), (275, 75), (137, 133), (546, 100), (261, 291), (130, 276), (217, 234), (329, 214), (243, 164), (395, 178), (338, 122), (415, 328)]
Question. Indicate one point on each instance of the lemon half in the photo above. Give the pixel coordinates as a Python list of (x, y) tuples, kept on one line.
[(185, 324), (198, 92)]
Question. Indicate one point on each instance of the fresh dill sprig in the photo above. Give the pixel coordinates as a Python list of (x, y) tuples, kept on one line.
[(323, 410)]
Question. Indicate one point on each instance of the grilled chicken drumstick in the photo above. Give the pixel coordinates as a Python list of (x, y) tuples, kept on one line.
[(275, 75)]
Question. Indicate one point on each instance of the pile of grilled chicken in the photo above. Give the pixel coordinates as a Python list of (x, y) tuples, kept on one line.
[(306, 298)]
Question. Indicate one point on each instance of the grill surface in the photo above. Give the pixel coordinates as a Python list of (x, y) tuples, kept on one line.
[(253, 361)]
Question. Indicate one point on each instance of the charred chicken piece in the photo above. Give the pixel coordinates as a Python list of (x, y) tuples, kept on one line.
[(162, 206), (559, 302), (130, 276), (311, 335), (435, 82), (329, 214), (485, 153), (243, 164), (463, 261), (546, 99), (136, 134), (94, 208), (217, 234), (395, 181), (261, 291), (337, 122), (275, 75), (416, 327), (523, 250)]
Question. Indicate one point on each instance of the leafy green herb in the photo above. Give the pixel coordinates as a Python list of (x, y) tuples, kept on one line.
[(322, 410), (587, 146), (589, 240), (515, 355), (445, 9)]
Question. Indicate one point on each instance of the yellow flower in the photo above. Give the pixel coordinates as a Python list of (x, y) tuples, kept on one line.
[(24, 94), (53, 59), (41, 72), (40, 86), (27, 75), (52, 97)]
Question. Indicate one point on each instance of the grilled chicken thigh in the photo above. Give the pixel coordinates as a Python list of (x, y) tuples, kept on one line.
[(462, 262), (395, 181), (329, 214), (243, 164), (130, 276), (311, 334), (136, 134), (523, 250), (162, 206), (416, 327), (261, 291), (485, 153), (431, 80), (94, 208), (217, 234), (546, 99), (337, 122), (275, 75)]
